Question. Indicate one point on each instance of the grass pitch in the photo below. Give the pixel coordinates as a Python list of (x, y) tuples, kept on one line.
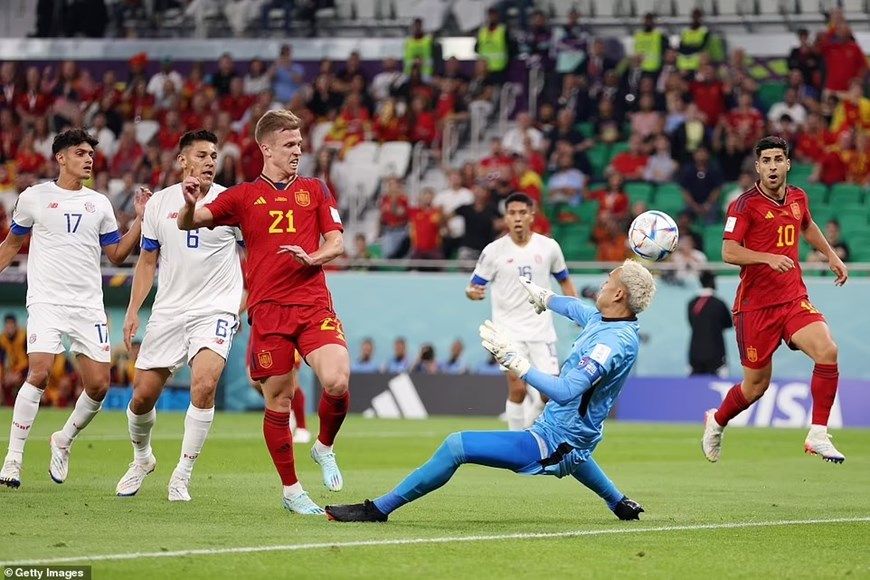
[(766, 510)]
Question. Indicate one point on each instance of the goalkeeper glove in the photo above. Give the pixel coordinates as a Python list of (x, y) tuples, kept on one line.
[(501, 348), (538, 296)]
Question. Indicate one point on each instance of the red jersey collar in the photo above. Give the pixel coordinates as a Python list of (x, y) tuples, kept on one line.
[(770, 199), (278, 185)]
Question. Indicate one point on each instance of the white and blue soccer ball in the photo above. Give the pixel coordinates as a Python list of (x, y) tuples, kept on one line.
[(653, 235)]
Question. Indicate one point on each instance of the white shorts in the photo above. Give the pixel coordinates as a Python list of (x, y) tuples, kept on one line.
[(86, 328), (542, 355), (170, 342)]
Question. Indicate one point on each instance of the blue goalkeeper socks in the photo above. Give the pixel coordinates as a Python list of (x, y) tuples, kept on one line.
[(590, 475)]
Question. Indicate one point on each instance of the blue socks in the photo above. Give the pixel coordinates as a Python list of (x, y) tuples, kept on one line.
[(590, 475)]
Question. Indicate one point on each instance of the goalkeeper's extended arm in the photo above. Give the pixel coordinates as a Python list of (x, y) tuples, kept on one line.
[(560, 389), (571, 308)]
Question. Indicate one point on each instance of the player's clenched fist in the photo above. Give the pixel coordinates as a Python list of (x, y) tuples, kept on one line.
[(140, 200), (538, 296), (780, 263)]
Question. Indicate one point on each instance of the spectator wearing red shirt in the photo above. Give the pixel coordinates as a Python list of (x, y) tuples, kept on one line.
[(498, 164), (422, 125), (813, 141), (394, 219), (252, 160), (746, 122), (833, 166), (843, 57), (612, 201), (27, 159), (526, 179), (170, 131), (389, 126), (708, 94), (426, 228), (138, 103), (33, 101), (128, 154), (10, 135), (236, 102), (632, 163), (196, 112)]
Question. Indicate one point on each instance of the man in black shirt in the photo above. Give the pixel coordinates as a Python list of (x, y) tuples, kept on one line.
[(482, 221), (709, 318)]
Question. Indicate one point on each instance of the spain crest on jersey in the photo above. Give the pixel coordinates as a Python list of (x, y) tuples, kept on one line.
[(303, 198), (751, 354), (796, 210)]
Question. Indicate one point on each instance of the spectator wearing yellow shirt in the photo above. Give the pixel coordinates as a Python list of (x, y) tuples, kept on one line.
[(13, 353)]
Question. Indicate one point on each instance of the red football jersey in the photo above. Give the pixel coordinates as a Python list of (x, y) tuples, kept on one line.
[(758, 223), (271, 216)]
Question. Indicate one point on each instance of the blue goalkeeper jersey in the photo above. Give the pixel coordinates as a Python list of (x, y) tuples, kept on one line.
[(606, 350)]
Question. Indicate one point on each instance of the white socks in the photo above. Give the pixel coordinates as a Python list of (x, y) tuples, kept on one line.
[(320, 448), (516, 415), (85, 410), (140, 433), (197, 423), (291, 491), (814, 429), (23, 415)]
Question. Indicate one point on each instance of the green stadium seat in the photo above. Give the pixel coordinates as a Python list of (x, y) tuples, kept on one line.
[(586, 129), (599, 157), (859, 246), (817, 193), (616, 148), (845, 193), (639, 191), (852, 222), (586, 212), (669, 199), (713, 242), (770, 93), (800, 172)]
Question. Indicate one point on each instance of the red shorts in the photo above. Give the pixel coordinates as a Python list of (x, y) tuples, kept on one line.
[(279, 331), (759, 332)]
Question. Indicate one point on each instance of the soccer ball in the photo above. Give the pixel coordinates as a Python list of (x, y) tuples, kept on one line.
[(653, 235)]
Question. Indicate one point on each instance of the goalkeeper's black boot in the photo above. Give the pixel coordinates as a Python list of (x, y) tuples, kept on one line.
[(628, 509), (357, 512)]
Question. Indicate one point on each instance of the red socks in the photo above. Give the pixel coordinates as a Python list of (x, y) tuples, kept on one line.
[(734, 404), (297, 405), (332, 411), (824, 389), (279, 440)]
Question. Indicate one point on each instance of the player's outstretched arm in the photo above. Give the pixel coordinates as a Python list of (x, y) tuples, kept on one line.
[(734, 253), (813, 234), (9, 248), (191, 217), (143, 280)]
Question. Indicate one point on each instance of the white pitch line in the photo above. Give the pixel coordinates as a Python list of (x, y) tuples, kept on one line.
[(435, 540)]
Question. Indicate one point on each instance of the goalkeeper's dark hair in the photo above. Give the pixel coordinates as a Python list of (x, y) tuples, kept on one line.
[(192, 137), (71, 138), (771, 142), (519, 197)]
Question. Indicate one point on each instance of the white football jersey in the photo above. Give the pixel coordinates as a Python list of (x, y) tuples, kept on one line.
[(198, 271), (68, 230), (501, 264)]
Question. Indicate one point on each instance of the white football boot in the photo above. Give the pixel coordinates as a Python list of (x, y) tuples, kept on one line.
[(711, 443), (818, 442), (130, 483)]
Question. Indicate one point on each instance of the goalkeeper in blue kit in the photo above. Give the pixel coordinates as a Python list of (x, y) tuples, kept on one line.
[(562, 439)]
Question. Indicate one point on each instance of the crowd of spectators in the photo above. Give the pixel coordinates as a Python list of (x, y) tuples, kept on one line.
[(663, 115), (426, 361)]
